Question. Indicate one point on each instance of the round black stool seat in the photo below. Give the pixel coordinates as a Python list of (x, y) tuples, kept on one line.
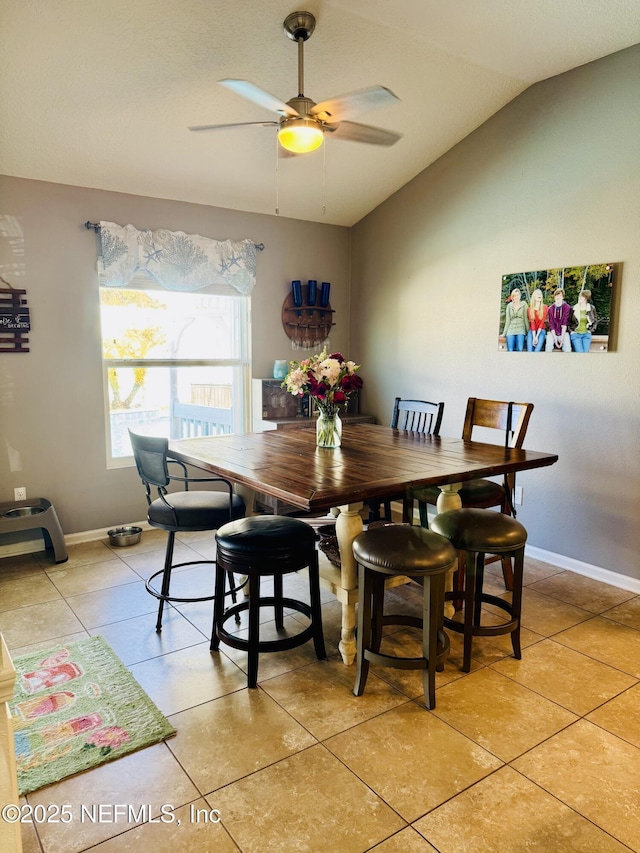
[(419, 554), (258, 547), (475, 533)]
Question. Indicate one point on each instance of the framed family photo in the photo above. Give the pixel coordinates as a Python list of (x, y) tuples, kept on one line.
[(566, 310)]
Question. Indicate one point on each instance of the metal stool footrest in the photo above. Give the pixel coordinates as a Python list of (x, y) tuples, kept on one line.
[(162, 597)]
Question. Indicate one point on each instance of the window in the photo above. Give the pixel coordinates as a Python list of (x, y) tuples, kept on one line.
[(175, 364)]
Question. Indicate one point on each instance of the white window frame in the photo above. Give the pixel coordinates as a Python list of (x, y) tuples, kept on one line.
[(241, 366)]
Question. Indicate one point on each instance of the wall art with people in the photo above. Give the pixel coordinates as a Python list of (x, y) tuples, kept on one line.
[(565, 310)]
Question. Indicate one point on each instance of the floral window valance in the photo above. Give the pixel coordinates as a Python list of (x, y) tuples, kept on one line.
[(177, 261)]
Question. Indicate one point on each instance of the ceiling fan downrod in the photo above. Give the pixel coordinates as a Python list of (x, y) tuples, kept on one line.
[(299, 26)]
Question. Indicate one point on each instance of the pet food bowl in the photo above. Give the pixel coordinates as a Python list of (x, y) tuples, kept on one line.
[(23, 511), (121, 537)]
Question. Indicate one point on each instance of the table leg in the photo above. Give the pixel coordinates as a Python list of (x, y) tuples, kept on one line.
[(449, 499), (348, 526), (248, 496)]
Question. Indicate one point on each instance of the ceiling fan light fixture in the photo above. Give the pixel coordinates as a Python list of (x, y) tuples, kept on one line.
[(300, 135)]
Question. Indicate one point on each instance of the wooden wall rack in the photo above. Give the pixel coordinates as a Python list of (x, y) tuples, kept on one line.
[(309, 325)]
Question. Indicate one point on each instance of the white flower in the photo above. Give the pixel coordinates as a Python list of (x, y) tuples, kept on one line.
[(330, 381)]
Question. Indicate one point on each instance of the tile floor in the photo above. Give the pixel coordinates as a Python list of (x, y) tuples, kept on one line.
[(541, 754)]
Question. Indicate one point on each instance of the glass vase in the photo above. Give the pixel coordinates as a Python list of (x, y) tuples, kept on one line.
[(328, 428)]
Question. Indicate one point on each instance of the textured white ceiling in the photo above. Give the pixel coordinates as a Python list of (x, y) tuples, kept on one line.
[(101, 94)]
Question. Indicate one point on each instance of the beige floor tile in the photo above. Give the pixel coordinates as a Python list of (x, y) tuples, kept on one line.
[(606, 641), (320, 696), (399, 755), (44, 645), (268, 737), (534, 570), (537, 570), (29, 587), (38, 623), (93, 576), (506, 813), (593, 772), (145, 563), (405, 841), (18, 564), (114, 604), (487, 650), (135, 640), (148, 778), (547, 616), (227, 739), (192, 828), (627, 613), (273, 664), (79, 555), (500, 715), (589, 594), (493, 583), (567, 677), (191, 537), (408, 643), (621, 716), (30, 843), (191, 581), (309, 802), (188, 677)]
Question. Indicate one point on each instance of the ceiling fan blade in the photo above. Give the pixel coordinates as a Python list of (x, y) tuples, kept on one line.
[(364, 133), (353, 103), (236, 124), (258, 96)]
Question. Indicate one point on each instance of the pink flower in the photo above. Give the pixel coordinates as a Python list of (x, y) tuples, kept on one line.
[(107, 739)]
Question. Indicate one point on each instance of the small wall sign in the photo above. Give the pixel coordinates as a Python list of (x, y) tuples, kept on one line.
[(14, 320)]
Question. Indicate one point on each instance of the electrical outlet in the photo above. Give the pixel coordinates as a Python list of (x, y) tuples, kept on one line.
[(20, 494), (518, 495)]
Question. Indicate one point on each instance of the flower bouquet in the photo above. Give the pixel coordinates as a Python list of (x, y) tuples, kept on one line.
[(329, 380)]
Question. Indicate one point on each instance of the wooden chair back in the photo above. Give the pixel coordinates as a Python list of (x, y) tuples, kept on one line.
[(511, 419), (417, 416)]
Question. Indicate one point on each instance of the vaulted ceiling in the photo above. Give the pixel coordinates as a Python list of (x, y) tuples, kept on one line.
[(102, 94)]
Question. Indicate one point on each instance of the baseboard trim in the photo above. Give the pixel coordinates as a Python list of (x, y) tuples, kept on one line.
[(36, 544), (580, 568), (586, 569)]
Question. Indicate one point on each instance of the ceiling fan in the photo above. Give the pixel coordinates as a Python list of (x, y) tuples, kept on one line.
[(303, 123)]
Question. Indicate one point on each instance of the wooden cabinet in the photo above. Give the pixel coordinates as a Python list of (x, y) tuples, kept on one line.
[(275, 408)]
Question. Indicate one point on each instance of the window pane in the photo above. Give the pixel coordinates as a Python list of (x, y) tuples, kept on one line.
[(175, 364), (160, 324), (176, 402)]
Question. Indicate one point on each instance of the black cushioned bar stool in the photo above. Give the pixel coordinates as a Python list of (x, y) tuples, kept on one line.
[(475, 533), (259, 547), (423, 556)]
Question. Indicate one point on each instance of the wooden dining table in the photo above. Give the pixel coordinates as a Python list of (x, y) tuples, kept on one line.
[(374, 462)]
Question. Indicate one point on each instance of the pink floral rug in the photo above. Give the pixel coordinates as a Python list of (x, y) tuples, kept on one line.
[(74, 707)]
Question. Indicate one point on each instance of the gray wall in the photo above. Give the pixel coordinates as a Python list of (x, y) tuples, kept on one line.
[(52, 430), (552, 180)]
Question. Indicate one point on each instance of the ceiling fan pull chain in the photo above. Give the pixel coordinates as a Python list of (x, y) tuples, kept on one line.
[(324, 179), (277, 180)]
